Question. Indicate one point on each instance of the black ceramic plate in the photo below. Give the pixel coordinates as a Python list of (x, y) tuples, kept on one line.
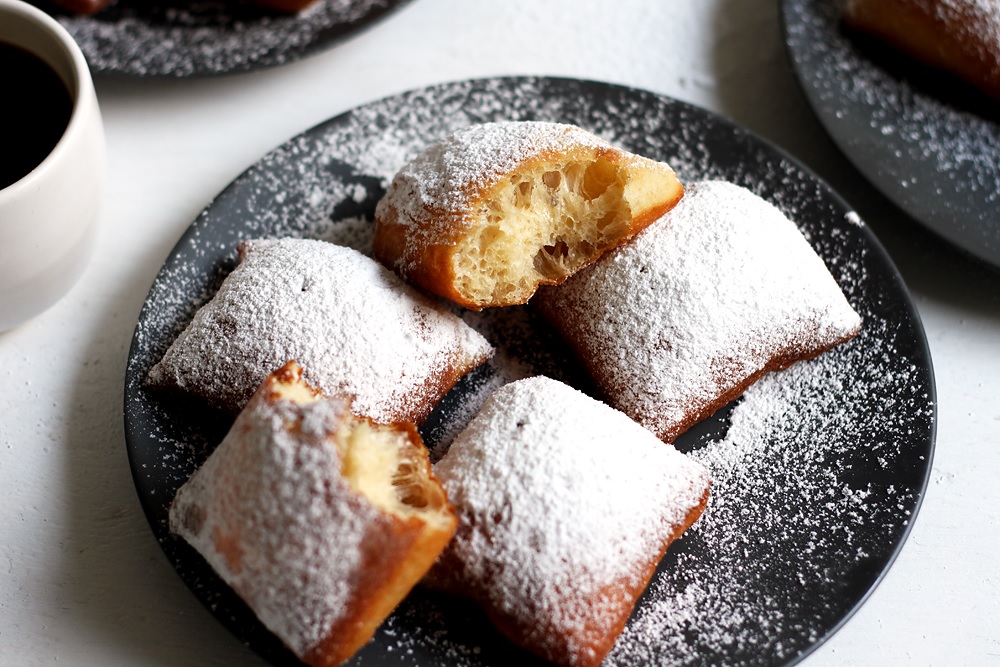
[(177, 38), (818, 470), (928, 142)]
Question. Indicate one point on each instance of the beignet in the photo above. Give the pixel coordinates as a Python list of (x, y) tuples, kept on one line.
[(353, 325), (93, 6), (82, 6), (320, 520), (565, 507), (958, 36), (680, 321), (486, 215), (288, 6)]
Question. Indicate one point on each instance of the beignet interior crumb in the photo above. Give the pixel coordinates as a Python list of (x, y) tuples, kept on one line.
[(380, 462), (541, 226), (387, 468)]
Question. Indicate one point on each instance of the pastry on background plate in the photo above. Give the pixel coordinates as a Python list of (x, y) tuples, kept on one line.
[(719, 291), (565, 508), (958, 36), (320, 520), (491, 212), (356, 328), (93, 6), (82, 6)]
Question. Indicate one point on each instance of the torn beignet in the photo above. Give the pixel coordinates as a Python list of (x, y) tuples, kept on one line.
[(491, 212), (320, 520)]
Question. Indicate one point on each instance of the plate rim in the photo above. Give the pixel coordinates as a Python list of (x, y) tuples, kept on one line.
[(873, 245)]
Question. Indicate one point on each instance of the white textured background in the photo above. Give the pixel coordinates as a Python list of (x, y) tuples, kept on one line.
[(83, 582)]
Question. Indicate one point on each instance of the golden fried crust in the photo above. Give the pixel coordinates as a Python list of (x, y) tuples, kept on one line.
[(397, 553), (963, 40), (434, 272), (604, 373)]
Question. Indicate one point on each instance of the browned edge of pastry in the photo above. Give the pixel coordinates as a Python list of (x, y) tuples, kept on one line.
[(951, 41), (399, 553), (784, 360)]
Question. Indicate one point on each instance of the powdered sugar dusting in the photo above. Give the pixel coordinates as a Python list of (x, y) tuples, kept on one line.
[(274, 517), (140, 38), (878, 385)]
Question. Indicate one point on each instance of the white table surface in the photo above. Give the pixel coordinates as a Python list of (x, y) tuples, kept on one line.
[(83, 582)]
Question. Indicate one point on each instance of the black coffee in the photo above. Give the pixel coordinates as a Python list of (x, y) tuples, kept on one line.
[(34, 112)]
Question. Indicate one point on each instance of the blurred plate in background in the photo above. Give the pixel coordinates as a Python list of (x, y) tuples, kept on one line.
[(927, 141)]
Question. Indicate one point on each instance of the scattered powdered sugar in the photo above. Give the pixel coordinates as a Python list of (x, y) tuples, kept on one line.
[(719, 289), (309, 300), (802, 502), (933, 129), (143, 38), (272, 514), (824, 490), (558, 498)]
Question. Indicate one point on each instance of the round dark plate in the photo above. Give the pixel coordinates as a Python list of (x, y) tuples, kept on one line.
[(178, 38), (818, 470), (927, 141)]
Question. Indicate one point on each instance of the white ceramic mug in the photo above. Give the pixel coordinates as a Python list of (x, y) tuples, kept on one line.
[(48, 218)]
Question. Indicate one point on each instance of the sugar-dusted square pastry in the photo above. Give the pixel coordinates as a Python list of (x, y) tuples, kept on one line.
[(565, 507), (958, 36), (285, 5), (320, 520), (356, 328), (679, 322), (491, 212)]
